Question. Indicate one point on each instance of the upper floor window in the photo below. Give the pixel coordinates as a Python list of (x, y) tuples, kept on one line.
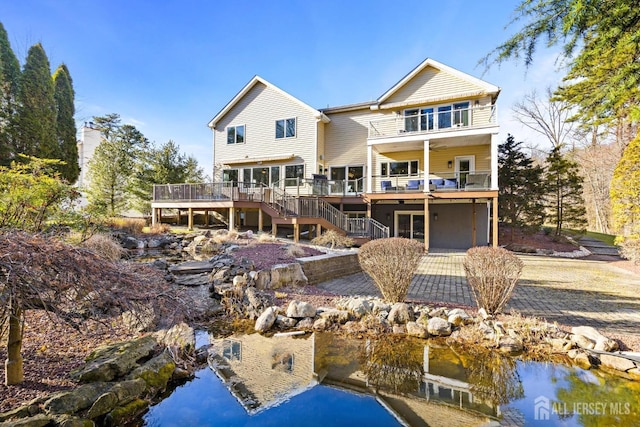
[(235, 134), (286, 128), (444, 116)]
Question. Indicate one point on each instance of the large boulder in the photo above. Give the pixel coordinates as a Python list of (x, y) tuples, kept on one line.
[(115, 360), (266, 319), (616, 362), (300, 309), (401, 313), (359, 306), (458, 317), (416, 330), (180, 335), (333, 315), (70, 402), (287, 274), (602, 343), (156, 372), (39, 420), (439, 327)]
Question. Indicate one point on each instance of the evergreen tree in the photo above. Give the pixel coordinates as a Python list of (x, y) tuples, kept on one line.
[(564, 192), (162, 165), (112, 167), (9, 81), (521, 195), (65, 124), (625, 200), (36, 119)]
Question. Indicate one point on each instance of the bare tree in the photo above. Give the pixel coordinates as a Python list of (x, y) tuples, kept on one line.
[(72, 284), (546, 116)]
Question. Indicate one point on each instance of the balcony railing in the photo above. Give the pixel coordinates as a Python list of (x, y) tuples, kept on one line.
[(209, 191), (436, 121), (477, 180)]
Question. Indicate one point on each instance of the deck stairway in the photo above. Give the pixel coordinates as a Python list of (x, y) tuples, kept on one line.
[(288, 209)]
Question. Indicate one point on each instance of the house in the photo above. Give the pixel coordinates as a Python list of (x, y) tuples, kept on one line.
[(419, 162)]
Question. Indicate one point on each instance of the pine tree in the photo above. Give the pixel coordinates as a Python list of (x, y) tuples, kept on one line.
[(37, 110), (625, 200), (9, 81), (65, 124), (564, 192), (521, 196), (112, 167)]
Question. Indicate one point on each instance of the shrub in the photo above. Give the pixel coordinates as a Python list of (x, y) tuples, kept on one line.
[(130, 225), (333, 239), (159, 228), (295, 251), (391, 264), (104, 246), (225, 236), (630, 248), (265, 237), (492, 274)]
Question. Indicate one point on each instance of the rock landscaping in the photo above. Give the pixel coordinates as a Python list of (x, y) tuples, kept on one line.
[(118, 383)]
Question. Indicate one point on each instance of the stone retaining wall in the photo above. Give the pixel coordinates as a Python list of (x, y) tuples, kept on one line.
[(321, 268)]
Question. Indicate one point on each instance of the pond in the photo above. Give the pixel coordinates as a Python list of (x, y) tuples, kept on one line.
[(325, 379)]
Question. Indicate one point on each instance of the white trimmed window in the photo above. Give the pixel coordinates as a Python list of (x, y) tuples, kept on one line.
[(409, 168), (235, 134), (286, 128)]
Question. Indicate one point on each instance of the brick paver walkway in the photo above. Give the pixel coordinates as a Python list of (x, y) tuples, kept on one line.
[(571, 292)]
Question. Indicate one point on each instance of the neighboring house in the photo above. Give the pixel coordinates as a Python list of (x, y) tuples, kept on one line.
[(419, 162), (90, 138)]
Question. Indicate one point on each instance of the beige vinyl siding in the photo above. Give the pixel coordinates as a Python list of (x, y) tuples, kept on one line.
[(321, 145), (430, 83), (258, 111), (346, 137), (438, 159)]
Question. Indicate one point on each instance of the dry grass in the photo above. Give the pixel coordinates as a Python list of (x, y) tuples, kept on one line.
[(391, 264), (265, 238), (333, 239), (492, 274), (159, 228), (130, 225), (104, 246), (295, 251)]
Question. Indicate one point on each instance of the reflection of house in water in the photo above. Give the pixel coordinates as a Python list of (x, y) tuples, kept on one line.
[(442, 396), (433, 385), (262, 372)]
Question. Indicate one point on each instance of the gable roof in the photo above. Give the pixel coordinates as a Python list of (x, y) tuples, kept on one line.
[(255, 80), (486, 87)]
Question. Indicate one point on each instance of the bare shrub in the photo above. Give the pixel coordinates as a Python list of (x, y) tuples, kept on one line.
[(130, 225), (492, 274), (391, 264), (630, 248), (265, 238), (159, 228), (104, 245), (333, 239), (295, 251)]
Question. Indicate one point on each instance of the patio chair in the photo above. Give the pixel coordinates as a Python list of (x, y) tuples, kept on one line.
[(415, 184), (385, 185)]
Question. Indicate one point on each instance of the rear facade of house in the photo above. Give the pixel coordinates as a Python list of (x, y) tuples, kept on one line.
[(419, 162)]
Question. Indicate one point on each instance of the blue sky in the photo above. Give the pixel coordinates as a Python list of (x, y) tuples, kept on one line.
[(168, 67)]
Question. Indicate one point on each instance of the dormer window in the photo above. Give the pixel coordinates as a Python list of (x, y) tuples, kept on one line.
[(286, 128), (235, 135)]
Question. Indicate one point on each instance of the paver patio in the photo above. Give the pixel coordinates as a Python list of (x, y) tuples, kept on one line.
[(572, 292)]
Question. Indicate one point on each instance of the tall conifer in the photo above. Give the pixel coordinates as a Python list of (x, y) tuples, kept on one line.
[(65, 124), (9, 80), (37, 110)]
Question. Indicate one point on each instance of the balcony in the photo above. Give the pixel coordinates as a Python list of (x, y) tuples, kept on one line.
[(478, 180), (424, 121)]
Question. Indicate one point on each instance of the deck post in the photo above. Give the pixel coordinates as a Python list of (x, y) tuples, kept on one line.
[(190, 219), (474, 242), (426, 225), (274, 229), (260, 220), (232, 219), (153, 216), (296, 232), (206, 217), (318, 230), (495, 222), (159, 215)]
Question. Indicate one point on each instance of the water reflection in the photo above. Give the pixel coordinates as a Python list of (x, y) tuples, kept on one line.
[(391, 380)]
